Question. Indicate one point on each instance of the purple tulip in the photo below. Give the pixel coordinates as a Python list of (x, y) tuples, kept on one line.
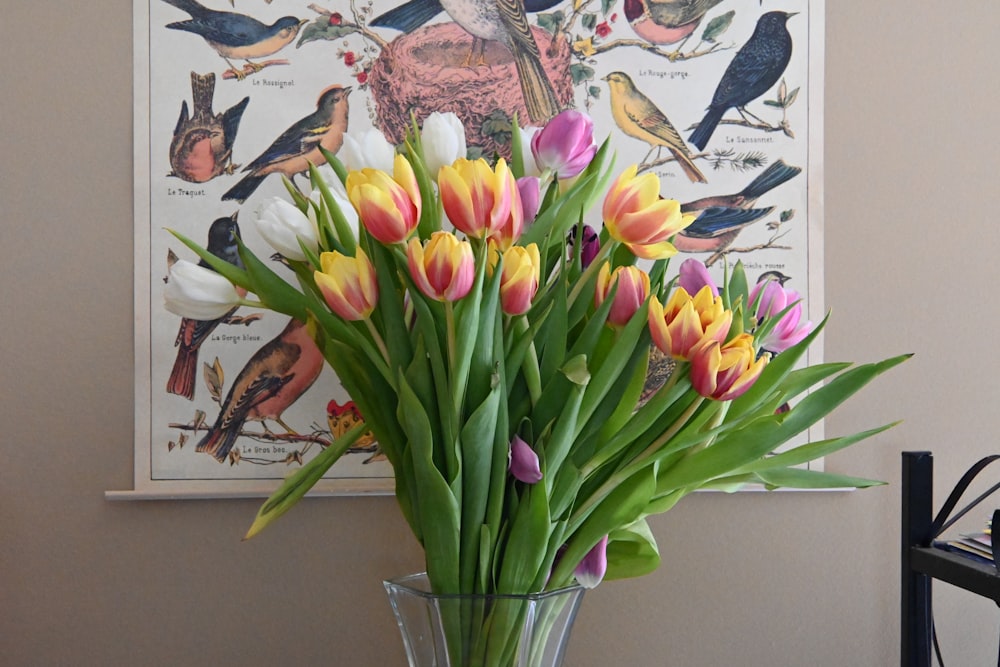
[(594, 565), (790, 329), (524, 462), (693, 275), (530, 189), (591, 244), (566, 144)]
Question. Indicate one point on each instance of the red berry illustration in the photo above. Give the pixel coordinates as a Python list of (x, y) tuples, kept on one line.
[(350, 58), (336, 18)]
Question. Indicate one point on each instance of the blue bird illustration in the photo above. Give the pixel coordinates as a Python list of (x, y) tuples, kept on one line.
[(409, 16), (298, 146), (723, 217), (236, 36), (754, 69)]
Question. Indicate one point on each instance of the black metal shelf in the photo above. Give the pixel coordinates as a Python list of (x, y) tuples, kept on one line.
[(957, 570)]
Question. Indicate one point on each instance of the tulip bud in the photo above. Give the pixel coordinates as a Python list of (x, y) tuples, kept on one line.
[(282, 225), (198, 293), (789, 330), (388, 206), (348, 284), (524, 464), (566, 144), (693, 275), (443, 140), (370, 149), (633, 288), (519, 277), (594, 565), (444, 269), (477, 199)]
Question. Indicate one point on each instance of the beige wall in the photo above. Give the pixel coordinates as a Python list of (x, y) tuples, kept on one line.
[(780, 579)]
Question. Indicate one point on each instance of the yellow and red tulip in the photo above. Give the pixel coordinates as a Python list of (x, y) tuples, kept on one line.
[(725, 372), (348, 284), (519, 276), (389, 206), (686, 322), (633, 289), (637, 216), (479, 200), (444, 269)]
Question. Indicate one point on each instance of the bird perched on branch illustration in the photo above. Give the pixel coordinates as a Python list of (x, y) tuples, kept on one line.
[(202, 145), (723, 217), (754, 69), (409, 16), (273, 379), (637, 116), (505, 21), (298, 146), (666, 21), (236, 36), (222, 243)]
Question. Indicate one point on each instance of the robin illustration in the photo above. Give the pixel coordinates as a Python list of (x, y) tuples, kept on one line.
[(202, 147), (222, 237), (298, 146), (236, 36), (505, 21), (637, 116), (754, 69), (274, 378), (666, 21), (409, 16), (723, 217)]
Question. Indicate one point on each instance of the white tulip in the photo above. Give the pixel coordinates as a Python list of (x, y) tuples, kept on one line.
[(282, 224), (443, 140), (370, 149), (527, 157), (198, 293)]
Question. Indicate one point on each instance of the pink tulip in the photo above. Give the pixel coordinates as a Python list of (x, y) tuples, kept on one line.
[(529, 188), (790, 329), (524, 462), (566, 144), (633, 288), (444, 269), (594, 565), (693, 275), (725, 372)]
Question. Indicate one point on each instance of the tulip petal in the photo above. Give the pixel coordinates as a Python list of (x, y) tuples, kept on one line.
[(591, 570), (524, 464)]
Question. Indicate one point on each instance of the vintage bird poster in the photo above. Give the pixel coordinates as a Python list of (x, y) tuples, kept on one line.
[(721, 99)]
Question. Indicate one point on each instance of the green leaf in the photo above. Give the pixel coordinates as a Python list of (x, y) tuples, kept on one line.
[(477, 438), (798, 478), (550, 21), (529, 532), (812, 451), (588, 21), (297, 485), (632, 551), (717, 26), (579, 73), (344, 233)]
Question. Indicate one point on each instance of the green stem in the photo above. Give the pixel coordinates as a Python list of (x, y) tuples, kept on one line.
[(594, 267), (378, 340)]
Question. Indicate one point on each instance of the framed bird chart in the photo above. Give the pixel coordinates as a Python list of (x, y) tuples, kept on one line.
[(721, 99)]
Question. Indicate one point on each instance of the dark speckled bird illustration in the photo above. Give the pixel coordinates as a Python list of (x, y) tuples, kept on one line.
[(505, 21), (298, 146), (274, 378), (202, 145), (222, 237), (638, 117), (236, 36), (666, 21), (754, 69), (723, 217)]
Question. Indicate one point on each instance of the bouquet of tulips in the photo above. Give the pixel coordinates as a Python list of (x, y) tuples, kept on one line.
[(501, 351)]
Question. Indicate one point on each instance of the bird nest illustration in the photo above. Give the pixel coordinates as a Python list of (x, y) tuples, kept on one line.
[(428, 70)]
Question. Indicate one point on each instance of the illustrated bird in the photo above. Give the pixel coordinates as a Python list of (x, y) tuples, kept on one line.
[(666, 21), (222, 237), (637, 116), (236, 36), (754, 69), (273, 379), (505, 21), (202, 145), (298, 146), (409, 16), (723, 217)]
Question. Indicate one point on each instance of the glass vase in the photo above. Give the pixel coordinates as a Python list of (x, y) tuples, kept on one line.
[(482, 630)]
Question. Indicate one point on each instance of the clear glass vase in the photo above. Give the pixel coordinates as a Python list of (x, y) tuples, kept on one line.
[(482, 630)]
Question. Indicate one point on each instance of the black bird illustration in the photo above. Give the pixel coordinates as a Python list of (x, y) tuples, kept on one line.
[(202, 145), (409, 16), (298, 146), (722, 217), (505, 21), (234, 35), (754, 69), (222, 237)]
